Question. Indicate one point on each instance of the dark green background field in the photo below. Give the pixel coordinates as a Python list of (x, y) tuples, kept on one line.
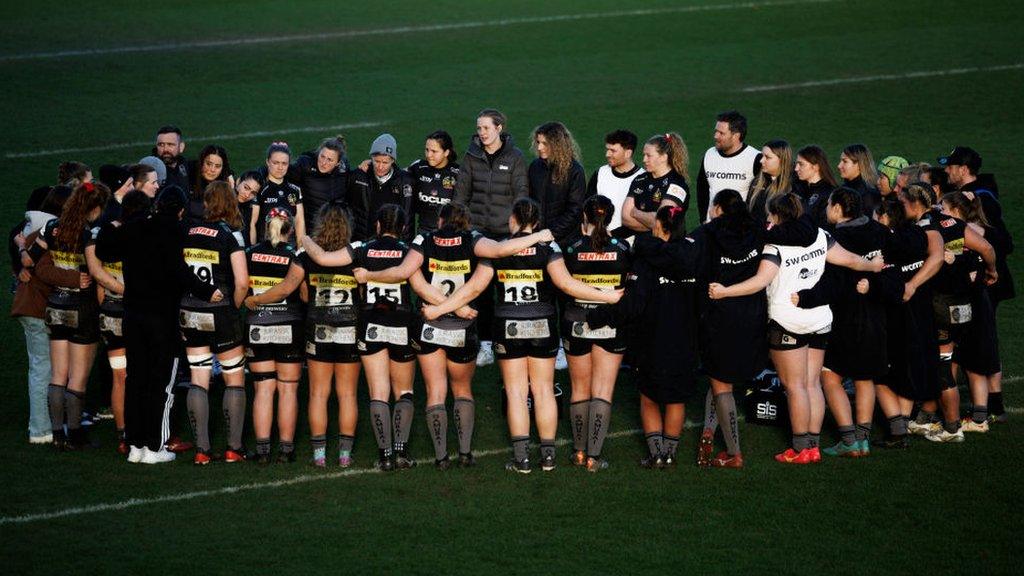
[(931, 509)]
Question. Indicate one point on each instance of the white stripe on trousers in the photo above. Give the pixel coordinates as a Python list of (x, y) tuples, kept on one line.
[(165, 424)]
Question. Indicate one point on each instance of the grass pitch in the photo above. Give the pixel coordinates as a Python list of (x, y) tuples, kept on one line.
[(910, 78)]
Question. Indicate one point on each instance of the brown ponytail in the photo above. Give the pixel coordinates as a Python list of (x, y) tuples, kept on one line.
[(598, 211), (678, 156)]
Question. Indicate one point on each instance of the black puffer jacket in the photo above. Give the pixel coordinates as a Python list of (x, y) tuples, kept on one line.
[(489, 186), (561, 205)]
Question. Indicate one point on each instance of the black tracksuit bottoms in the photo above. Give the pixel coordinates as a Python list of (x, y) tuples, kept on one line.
[(153, 346)]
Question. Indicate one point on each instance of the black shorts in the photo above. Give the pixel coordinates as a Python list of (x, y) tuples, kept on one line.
[(460, 345), (781, 339), (111, 327), (275, 342), (218, 328), (578, 339), (78, 326), (522, 338), (374, 336), (334, 344), (952, 316)]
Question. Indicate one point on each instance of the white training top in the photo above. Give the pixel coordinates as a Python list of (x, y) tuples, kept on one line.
[(800, 267), (736, 171), (615, 187)]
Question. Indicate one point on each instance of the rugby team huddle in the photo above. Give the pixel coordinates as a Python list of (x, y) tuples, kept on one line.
[(883, 283)]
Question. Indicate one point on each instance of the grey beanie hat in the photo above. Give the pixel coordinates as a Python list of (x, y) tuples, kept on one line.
[(385, 144), (158, 165)]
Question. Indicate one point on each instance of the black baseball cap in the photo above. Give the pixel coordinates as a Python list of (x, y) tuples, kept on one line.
[(962, 156), (114, 176)]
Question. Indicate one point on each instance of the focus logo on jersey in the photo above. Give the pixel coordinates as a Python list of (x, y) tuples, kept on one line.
[(520, 275), (598, 256), (432, 199), (203, 231), (200, 256), (448, 242), (270, 258), (67, 260), (371, 253), (442, 267), (332, 281), (599, 280)]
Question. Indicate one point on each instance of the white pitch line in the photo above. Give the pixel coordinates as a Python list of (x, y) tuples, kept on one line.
[(217, 138), (881, 77), (450, 26), (303, 479), (181, 496)]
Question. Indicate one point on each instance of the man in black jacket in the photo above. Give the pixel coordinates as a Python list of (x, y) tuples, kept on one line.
[(170, 148), (384, 183), (492, 177), (156, 277)]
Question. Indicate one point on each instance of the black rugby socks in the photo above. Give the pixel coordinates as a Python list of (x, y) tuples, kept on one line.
[(55, 398)]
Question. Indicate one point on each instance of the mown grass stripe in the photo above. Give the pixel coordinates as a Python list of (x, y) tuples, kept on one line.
[(881, 77), (397, 30), (216, 138)]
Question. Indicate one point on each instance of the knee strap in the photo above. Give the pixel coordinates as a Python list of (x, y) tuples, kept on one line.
[(946, 379), (118, 362), (262, 376), (200, 361), (232, 365)]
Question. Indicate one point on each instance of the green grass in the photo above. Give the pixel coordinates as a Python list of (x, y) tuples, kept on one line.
[(933, 508)]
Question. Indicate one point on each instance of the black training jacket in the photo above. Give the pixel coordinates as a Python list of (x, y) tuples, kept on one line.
[(318, 188), (368, 194), (155, 274), (561, 205)]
